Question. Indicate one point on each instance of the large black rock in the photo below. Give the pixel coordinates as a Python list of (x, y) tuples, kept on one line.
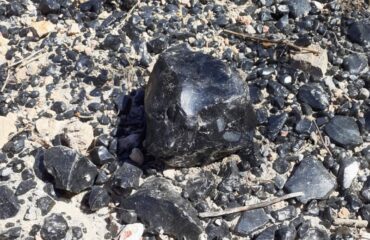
[(344, 131), (71, 171), (359, 32), (197, 109), (160, 207)]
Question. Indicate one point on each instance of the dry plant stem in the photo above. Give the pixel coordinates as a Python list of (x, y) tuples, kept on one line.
[(277, 42), (5, 82), (347, 49), (322, 139), (351, 222), (250, 207)]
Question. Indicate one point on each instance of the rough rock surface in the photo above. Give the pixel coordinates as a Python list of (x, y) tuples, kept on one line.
[(174, 215), (251, 221), (9, 205), (311, 178), (71, 171), (316, 65), (344, 131), (197, 110)]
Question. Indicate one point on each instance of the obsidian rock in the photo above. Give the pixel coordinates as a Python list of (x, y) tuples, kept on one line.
[(25, 186), (12, 233), (216, 230), (71, 171), (200, 187), (49, 6), (98, 198), (314, 96), (161, 207), (9, 205), (197, 109), (126, 178), (355, 63), (283, 214), (311, 178), (45, 204), (359, 32), (299, 8), (344, 131), (100, 155), (55, 227), (250, 221)]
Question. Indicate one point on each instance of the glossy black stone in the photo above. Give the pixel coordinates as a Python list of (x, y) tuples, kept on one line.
[(91, 6), (355, 63), (25, 186), (9, 205), (126, 178), (197, 110), (161, 207), (216, 230), (286, 233), (98, 198), (45, 204), (275, 124), (200, 187), (55, 227), (359, 32), (49, 6), (250, 221), (285, 213), (311, 178), (344, 131), (127, 216), (314, 96), (71, 171), (59, 107), (100, 155)]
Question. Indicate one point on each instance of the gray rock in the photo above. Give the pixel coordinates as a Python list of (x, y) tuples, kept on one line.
[(71, 171), (344, 131), (347, 172), (197, 109), (126, 178), (314, 96), (250, 221), (161, 207), (9, 205), (316, 65), (311, 178), (299, 8)]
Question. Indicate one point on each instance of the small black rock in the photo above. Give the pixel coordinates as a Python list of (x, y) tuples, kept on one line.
[(311, 178), (250, 221), (49, 6), (126, 178), (55, 227), (45, 204), (98, 198), (359, 32), (59, 107), (100, 156), (355, 63), (314, 96), (344, 131), (9, 205), (25, 186)]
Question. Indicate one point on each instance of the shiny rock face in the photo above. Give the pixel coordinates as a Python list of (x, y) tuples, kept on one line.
[(197, 109)]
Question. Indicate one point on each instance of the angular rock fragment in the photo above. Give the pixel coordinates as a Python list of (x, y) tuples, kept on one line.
[(98, 198), (9, 205), (359, 32), (12, 233), (45, 204), (100, 156), (250, 221), (55, 227), (311, 178), (344, 131), (25, 186), (71, 171), (218, 229), (275, 124), (314, 64), (283, 214), (197, 109), (161, 207), (355, 63), (200, 187), (314, 96), (299, 8), (126, 178)]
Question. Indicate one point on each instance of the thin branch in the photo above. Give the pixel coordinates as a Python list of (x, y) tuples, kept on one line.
[(5, 82), (22, 61), (351, 222), (347, 49), (250, 207), (321, 138), (276, 42)]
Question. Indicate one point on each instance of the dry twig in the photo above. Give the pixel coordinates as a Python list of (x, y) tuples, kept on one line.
[(322, 139), (275, 42), (5, 82), (250, 207), (351, 222)]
